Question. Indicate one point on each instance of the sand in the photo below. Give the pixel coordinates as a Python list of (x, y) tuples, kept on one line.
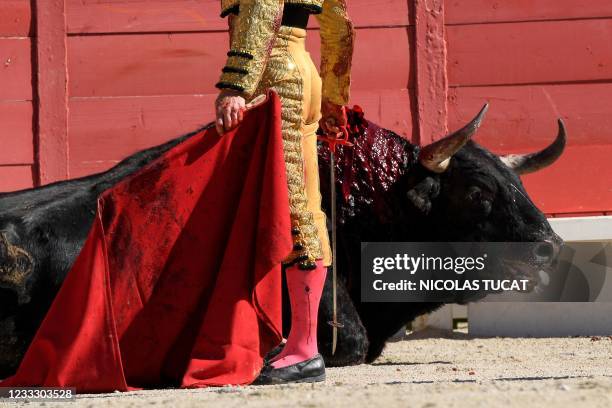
[(426, 371)]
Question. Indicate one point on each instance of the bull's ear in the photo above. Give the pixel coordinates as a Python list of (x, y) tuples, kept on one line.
[(423, 194)]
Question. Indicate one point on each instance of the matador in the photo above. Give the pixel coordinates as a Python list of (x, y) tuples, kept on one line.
[(267, 51)]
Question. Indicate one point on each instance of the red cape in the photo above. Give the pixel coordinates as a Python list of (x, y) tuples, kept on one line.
[(179, 281)]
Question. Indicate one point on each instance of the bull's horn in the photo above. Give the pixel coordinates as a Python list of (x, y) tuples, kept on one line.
[(528, 163), (436, 156)]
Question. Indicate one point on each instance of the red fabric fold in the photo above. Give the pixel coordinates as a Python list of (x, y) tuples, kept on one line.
[(179, 281)]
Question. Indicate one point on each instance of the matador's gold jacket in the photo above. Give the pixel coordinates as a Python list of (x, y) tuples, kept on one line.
[(252, 36)]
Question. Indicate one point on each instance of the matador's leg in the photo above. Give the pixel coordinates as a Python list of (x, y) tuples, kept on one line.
[(283, 75), (290, 76)]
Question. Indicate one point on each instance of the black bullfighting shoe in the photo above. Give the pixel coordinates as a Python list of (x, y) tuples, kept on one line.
[(309, 371)]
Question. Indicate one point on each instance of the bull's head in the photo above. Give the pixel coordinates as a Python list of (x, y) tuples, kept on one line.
[(473, 195)]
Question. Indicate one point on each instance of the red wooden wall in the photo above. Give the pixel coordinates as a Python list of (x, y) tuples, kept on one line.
[(16, 95), (83, 83), (536, 60)]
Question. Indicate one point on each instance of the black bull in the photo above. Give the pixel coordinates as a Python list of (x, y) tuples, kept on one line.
[(388, 190)]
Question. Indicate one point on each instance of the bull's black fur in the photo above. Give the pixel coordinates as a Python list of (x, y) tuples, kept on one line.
[(51, 223), (392, 198)]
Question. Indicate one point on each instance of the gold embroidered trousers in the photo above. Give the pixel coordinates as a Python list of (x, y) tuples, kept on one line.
[(291, 73)]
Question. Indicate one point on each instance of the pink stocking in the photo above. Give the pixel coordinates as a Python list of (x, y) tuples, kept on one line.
[(305, 289)]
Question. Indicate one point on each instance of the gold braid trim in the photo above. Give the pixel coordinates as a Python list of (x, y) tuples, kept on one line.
[(282, 75), (253, 33)]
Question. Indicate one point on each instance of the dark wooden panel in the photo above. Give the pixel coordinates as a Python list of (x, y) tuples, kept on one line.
[(15, 69), (16, 137), (524, 117), (522, 53), (13, 178), (15, 18), (487, 11), (121, 16)]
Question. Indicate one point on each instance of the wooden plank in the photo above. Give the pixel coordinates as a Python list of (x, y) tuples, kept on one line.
[(105, 130), (185, 64), (52, 91), (389, 108), (580, 181), (122, 16), (524, 53), (431, 77), (392, 69), (15, 18), (523, 118), (376, 13), (15, 69), (13, 178), (155, 64), (379, 13), (487, 11), (16, 137), (93, 16)]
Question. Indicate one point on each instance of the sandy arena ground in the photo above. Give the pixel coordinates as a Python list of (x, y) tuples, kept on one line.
[(425, 371)]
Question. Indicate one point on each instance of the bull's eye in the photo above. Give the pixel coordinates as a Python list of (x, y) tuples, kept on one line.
[(480, 201), (475, 194), (22, 263)]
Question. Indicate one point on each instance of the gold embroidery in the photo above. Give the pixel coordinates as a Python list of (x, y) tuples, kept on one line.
[(253, 33), (252, 36), (282, 75), (337, 39), (259, 59)]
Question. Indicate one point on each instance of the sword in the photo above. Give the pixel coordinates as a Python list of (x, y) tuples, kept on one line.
[(334, 323), (332, 142)]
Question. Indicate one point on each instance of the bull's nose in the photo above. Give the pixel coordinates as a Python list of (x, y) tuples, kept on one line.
[(547, 250)]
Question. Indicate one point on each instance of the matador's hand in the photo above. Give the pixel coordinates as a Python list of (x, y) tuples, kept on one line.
[(333, 118), (229, 108)]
